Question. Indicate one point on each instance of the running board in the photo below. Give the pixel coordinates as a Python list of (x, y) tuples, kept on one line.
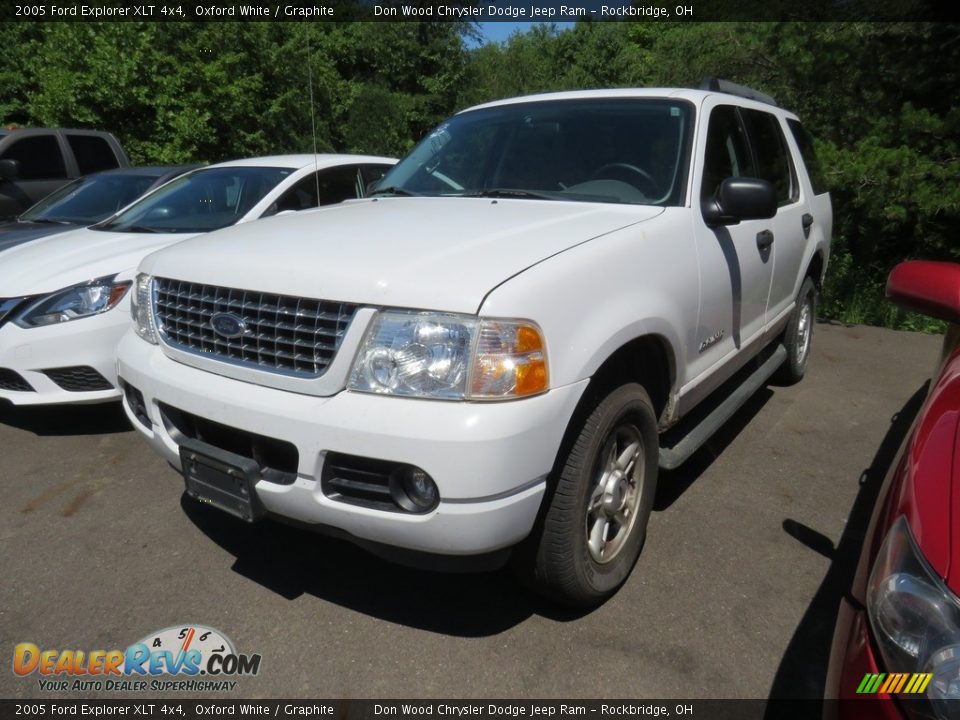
[(673, 457)]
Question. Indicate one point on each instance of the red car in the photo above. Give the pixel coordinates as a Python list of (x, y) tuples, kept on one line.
[(896, 647)]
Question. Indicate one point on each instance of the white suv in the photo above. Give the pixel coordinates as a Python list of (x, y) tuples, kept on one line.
[(498, 349)]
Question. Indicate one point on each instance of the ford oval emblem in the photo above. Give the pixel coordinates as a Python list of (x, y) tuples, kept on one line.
[(228, 325)]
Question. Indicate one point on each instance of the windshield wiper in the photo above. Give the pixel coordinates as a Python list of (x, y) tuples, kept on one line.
[(138, 229), (47, 221), (393, 190), (509, 193)]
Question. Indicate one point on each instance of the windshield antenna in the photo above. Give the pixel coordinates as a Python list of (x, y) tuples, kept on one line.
[(313, 121)]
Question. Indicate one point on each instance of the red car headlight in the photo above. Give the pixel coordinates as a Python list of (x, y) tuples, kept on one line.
[(916, 624)]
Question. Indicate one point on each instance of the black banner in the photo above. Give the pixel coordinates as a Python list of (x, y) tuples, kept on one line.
[(166, 709), (475, 10)]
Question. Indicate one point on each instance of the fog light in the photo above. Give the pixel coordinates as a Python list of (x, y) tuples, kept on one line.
[(414, 490), (138, 406)]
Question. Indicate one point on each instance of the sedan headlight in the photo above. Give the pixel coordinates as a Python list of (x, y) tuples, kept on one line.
[(450, 357), (916, 622), (141, 310), (73, 303)]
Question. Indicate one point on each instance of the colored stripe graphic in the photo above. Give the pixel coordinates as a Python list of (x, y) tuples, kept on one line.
[(867, 679), (898, 686), (891, 680), (914, 681), (894, 683)]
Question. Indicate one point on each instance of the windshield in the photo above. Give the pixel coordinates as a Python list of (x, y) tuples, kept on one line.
[(89, 199), (596, 150), (201, 201)]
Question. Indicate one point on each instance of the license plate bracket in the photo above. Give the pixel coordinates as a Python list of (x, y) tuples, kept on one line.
[(222, 479)]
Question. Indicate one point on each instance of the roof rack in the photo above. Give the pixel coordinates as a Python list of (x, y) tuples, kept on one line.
[(732, 88)]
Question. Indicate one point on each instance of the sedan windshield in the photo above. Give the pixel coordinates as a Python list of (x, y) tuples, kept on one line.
[(594, 150), (200, 201), (89, 199)]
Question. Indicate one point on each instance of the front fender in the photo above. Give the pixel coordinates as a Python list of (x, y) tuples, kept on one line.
[(594, 298)]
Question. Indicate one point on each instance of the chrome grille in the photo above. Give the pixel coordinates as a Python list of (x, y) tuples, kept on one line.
[(280, 333)]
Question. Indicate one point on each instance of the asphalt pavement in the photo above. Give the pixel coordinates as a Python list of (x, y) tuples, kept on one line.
[(734, 596)]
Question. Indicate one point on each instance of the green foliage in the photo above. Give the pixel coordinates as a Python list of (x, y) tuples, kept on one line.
[(204, 92), (880, 97)]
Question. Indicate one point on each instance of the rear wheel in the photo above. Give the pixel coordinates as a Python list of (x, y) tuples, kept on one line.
[(596, 522), (798, 335)]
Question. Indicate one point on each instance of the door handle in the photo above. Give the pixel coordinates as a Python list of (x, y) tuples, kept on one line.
[(807, 222), (764, 240)]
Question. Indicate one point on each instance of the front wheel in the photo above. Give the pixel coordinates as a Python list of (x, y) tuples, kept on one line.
[(596, 521)]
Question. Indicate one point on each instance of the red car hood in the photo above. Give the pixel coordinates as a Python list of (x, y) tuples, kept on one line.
[(929, 476)]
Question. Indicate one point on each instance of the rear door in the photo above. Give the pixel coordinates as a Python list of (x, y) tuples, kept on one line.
[(774, 163)]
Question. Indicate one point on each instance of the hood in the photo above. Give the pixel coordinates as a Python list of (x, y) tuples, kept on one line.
[(443, 254), (16, 233), (926, 488), (69, 258)]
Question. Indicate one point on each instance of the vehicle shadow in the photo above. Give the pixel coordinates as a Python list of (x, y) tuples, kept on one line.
[(292, 562), (45, 420), (802, 672), (672, 484)]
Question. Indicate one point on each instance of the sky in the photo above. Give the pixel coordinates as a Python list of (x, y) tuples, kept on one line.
[(499, 31)]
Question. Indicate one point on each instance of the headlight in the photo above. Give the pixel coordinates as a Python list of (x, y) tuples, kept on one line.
[(141, 310), (916, 622), (73, 303), (450, 357)]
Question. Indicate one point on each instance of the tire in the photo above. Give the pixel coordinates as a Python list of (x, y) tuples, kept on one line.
[(798, 335), (593, 531)]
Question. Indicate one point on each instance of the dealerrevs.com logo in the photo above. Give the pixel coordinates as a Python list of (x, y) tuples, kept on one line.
[(188, 658)]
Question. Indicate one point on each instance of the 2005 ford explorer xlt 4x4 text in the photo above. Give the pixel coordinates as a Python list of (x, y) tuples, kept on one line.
[(494, 353)]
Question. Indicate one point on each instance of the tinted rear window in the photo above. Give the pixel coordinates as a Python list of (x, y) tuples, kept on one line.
[(773, 157), (805, 143), (93, 153)]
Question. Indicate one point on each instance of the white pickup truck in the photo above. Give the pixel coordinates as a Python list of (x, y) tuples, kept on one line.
[(493, 354)]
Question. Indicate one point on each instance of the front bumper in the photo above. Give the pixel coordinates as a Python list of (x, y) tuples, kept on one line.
[(490, 461), (89, 343), (851, 658)]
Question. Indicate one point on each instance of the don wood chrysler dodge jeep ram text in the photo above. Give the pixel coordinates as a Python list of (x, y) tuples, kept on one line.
[(497, 350)]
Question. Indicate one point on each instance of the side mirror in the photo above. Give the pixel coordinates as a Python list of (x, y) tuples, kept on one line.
[(9, 169), (931, 288), (740, 199)]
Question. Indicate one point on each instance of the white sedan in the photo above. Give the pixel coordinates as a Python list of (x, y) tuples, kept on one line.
[(64, 300)]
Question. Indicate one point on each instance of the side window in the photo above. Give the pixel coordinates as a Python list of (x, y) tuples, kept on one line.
[(301, 196), (338, 184), (773, 157), (372, 174), (335, 185), (39, 158), (805, 143), (93, 153), (727, 153)]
